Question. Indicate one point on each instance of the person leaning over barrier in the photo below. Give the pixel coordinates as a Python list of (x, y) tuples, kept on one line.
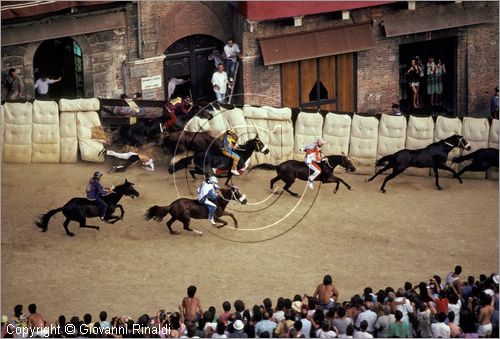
[(95, 191)]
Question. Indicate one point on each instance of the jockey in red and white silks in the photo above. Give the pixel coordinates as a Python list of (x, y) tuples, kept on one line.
[(313, 160)]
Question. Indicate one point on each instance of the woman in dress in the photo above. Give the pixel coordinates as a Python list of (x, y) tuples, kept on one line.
[(431, 80), (440, 72), (413, 80)]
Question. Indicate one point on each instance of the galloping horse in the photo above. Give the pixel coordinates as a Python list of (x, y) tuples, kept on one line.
[(213, 160), (184, 209), (482, 159), (290, 170), (433, 156), (79, 209)]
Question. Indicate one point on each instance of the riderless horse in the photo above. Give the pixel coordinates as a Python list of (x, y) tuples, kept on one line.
[(79, 209), (482, 159), (184, 209), (433, 156)]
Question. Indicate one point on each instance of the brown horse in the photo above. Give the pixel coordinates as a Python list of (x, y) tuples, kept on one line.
[(184, 209), (182, 141)]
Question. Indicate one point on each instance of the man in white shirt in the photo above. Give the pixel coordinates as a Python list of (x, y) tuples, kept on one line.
[(42, 86), (403, 305), (232, 52), (440, 329), (368, 315), (219, 81)]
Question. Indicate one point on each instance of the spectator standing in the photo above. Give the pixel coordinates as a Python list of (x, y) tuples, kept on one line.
[(232, 53), (265, 325), (440, 329), (494, 104), (42, 86), (12, 86), (424, 318), (440, 72), (431, 80), (238, 330), (363, 333), (403, 304), (219, 82), (19, 320), (104, 323), (414, 81), (36, 322), (485, 315), (455, 330), (383, 322), (400, 328), (191, 306), (224, 317), (341, 321), (368, 316), (395, 110), (216, 57)]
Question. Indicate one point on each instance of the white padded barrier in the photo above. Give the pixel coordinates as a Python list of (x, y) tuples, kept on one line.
[(446, 127), (363, 143), (336, 132), (69, 138), (46, 145), (274, 126), (79, 105), (18, 126), (493, 137), (476, 131), (391, 135), (419, 134), (89, 148), (308, 128)]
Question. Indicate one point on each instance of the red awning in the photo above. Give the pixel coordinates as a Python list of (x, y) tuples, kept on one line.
[(20, 9), (316, 44), (269, 10)]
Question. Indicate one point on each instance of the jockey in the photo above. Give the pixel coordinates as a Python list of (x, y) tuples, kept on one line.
[(173, 106), (312, 159), (230, 143), (207, 193), (95, 191)]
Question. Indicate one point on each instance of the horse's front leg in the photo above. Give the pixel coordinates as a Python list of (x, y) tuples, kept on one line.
[(122, 211), (221, 221), (112, 219), (232, 217), (437, 178), (451, 170)]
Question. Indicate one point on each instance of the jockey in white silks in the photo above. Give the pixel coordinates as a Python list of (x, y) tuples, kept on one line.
[(207, 194), (313, 160)]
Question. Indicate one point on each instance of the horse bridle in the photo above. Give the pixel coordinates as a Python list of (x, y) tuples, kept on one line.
[(461, 141), (233, 195)]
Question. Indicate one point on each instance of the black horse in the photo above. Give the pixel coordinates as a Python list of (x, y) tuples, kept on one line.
[(79, 209), (290, 170), (482, 159), (184, 209), (213, 159), (433, 156)]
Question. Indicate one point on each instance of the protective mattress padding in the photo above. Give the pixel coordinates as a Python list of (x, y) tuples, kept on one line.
[(275, 130), (235, 119), (391, 135), (69, 139), (308, 128), (197, 124), (336, 132), (46, 148), (363, 143), (492, 173), (444, 128), (419, 134), (89, 149), (18, 120), (2, 118), (493, 138), (476, 131), (79, 105)]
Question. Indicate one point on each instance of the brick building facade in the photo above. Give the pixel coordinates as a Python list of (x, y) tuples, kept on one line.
[(116, 58)]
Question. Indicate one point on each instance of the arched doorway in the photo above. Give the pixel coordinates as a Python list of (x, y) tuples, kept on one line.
[(188, 58), (61, 57)]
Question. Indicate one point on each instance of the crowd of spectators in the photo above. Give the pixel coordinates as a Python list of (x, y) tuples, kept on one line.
[(436, 308)]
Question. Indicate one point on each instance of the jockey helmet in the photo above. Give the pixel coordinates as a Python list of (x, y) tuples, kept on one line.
[(97, 174), (213, 180), (231, 131), (321, 141)]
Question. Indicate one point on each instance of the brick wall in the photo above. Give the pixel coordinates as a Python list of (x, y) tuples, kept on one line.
[(378, 68)]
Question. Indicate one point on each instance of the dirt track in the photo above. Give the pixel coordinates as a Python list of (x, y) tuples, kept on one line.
[(361, 237)]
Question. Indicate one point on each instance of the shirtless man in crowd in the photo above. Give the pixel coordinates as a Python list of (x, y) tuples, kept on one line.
[(485, 315), (327, 293), (191, 306), (36, 322)]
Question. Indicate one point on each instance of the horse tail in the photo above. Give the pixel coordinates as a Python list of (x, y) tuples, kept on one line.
[(183, 163), (263, 166), (43, 222), (464, 157), (157, 213), (382, 161)]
